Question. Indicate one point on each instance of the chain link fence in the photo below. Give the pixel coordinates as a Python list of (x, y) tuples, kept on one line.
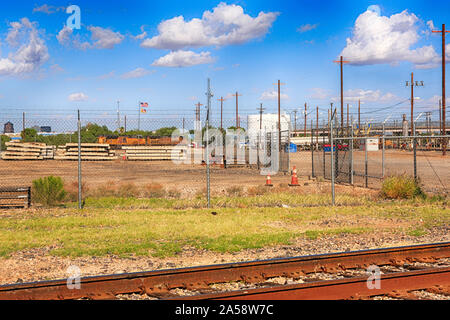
[(141, 157), (365, 161)]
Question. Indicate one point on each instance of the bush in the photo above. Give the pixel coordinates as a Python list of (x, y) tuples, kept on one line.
[(401, 187), (72, 190), (154, 190), (127, 190), (48, 191), (235, 191), (257, 191)]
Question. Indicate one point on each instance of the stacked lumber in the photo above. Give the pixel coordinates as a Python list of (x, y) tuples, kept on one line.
[(15, 197), (89, 152), (27, 151), (155, 152)]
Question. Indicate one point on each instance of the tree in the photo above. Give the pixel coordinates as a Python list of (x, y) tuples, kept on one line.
[(29, 135)]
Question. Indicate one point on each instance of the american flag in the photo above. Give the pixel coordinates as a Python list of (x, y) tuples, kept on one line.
[(144, 104)]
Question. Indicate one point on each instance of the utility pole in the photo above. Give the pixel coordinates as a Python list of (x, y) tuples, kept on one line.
[(221, 110), (295, 120), (347, 118), (261, 110), (304, 131), (23, 121), (341, 62), (359, 117), (118, 117), (183, 125), (440, 117), (279, 113), (443, 32), (416, 84), (125, 124), (317, 124), (237, 108)]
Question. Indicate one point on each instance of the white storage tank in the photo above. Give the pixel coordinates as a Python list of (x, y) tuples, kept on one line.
[(269, 124)]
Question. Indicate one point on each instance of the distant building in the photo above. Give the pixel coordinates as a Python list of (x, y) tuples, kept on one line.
[(46, 129), (8, 128)]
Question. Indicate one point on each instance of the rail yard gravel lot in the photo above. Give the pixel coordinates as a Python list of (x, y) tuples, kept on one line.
[(189, 179)]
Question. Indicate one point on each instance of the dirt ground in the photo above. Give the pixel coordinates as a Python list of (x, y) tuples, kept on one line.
[(37, 264), (433, 170)]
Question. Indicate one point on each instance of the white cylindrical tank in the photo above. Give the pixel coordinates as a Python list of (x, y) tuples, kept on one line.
[(269, 124)]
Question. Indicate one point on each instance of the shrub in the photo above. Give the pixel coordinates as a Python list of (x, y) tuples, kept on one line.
[(401, 187), (257, 190), (48, 191), (72, 190), (127, 190), (154, 190), (235, 191)]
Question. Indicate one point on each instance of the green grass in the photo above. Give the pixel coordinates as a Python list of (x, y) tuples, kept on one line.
[(261, 201), (163, 227)]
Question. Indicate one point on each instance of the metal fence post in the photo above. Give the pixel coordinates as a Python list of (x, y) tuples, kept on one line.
[(80, 205), (366, 164), (208, 188), (351, 153), (415, 151), (336, 150), (323, 153), (382, 152), (312, 152), (332, 163)]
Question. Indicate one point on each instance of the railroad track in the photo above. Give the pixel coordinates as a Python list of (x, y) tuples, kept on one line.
[(200, 282)]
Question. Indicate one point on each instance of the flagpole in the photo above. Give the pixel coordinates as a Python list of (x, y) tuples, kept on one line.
[(139, 116)]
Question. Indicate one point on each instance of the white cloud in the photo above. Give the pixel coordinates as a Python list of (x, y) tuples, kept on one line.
[(136, 73), (430, 25), (64, 34), (142, 35), (307, 27), (45, 8), (55, 68), (102, 38), (32, 51), (107, 75), (380, 39), (353, 95), (273, 95), (80, 96), (225, 25), (182, 58), (320, 94), (105, 38)]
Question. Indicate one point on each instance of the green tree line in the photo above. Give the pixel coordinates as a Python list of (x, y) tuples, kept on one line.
[(89, 134)]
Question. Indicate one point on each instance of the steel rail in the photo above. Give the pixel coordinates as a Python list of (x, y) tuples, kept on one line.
[(353, 288), (161, 281)]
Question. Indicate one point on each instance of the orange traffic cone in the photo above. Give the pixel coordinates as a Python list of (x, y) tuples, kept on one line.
[(269, 181), (294, 178)]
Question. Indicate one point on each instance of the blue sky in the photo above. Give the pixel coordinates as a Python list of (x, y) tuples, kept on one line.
[(123, 52)]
